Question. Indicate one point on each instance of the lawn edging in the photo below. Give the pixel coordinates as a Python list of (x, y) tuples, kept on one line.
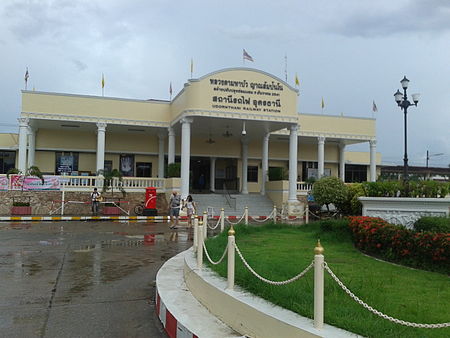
[(246, 313)]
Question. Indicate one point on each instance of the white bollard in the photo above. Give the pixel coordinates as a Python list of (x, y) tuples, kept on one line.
[(318, 286), (230, 267), (200, 248), (63, 199), (246, 215), (222, 219), (307, 213), (205, 224), (274, 213), (195, 233)]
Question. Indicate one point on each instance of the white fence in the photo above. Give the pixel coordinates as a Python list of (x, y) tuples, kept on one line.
[(79, 183)]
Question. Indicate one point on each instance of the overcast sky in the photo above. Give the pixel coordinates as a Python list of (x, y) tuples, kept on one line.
[(348, 52)]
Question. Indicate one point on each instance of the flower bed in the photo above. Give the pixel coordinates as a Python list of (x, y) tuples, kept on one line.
[(426, 250)]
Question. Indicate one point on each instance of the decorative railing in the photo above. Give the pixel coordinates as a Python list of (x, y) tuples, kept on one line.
[(79, 183), (304, 187)]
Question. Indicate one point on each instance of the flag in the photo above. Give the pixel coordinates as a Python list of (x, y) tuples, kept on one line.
[(170, 89), (103, 81), (297, 82), (246, 56), (192, 66), (374, 107), (27, 75), (323, 103)]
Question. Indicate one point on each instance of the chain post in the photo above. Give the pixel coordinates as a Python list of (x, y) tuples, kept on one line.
[(200, 247), (274, 214), (318, 286), (231, 261), (222, 219), (205, 224), (195, 232), (246, 215), (307, 213)]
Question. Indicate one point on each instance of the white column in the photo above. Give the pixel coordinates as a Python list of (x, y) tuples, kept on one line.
[(244, 166), (321, 155), (212, 174), (161, 156), (293, 144), (185, 155), (265, 163), (342, 161), (171, 146), (101, 129), (373, 160), (31, 146), (23, 135)]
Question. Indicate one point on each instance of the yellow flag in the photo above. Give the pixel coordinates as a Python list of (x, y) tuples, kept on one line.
[(103, 81), (323, 103), (297, 82)]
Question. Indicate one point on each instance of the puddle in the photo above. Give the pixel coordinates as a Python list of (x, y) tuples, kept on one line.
[(51, 242)]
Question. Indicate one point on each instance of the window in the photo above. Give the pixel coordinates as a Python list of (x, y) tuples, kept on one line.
[(252, 174), (355, 173), (143, 169), (66, 162), (107, 166), (7, 161)]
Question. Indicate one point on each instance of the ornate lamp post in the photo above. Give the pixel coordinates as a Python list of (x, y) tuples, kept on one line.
[(403, 103)]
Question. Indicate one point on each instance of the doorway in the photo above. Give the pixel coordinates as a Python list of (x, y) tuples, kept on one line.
[(199, 175)]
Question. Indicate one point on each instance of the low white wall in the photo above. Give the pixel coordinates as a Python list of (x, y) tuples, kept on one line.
[(402, 210), (247, 314)]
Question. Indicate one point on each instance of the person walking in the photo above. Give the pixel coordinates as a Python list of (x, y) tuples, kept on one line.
[(174, 209), (191, 209), (95, 201)]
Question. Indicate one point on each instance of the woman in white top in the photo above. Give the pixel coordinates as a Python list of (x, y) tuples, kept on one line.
[(190, 209)]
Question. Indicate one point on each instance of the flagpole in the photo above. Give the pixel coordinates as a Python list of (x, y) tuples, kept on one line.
[(285, 67)]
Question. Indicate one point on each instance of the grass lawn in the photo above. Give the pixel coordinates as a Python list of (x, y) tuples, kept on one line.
[(279, 252)]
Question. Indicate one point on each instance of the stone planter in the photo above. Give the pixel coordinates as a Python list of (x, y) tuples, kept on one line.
[(403, 210), (20, 210), (108, 211)]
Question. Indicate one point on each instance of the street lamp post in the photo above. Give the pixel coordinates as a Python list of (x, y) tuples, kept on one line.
[(403, 103)]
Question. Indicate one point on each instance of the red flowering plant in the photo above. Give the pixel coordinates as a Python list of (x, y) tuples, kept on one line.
[(427, 250)]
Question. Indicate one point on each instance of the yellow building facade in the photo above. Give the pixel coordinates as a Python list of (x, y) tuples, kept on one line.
[(229, 128)]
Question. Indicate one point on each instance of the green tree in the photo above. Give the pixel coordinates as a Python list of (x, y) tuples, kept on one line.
[(31, 171), (109, 178), (329, 190)]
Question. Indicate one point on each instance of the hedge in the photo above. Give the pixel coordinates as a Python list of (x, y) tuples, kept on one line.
[(435, 224), (425, 250)]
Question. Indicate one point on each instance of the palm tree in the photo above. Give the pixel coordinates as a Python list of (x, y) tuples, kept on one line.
[(31, 171), (108, 180)]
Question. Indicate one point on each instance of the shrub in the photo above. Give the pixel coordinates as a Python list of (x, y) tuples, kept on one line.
[(434, 224), (430, 189), (21, 204), (329, 190), (277, 174), (351, 205), (174, 170), (427, 250)]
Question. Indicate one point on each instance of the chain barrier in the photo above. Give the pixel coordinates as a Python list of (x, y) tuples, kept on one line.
[(217, 224), (378, 313), (318, 216), (226, 219), (209, 258), (300, 275), (264, 220)]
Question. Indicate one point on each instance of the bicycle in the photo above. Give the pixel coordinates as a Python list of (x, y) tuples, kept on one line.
[(139, 208)]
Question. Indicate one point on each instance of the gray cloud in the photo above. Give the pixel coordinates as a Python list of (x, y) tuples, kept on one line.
[(79, 65), (415, 16)]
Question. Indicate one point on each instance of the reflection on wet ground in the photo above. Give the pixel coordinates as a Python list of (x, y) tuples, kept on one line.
[(80, 279)]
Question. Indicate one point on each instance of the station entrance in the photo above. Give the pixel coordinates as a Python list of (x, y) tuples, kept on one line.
[(225, 175)]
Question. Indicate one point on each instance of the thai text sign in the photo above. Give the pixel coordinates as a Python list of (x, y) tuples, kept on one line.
[(19, 182), (264, 96)]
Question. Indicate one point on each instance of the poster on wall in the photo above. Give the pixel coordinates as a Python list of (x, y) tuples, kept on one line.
[(4, 183), (28, 183), (127, 165)]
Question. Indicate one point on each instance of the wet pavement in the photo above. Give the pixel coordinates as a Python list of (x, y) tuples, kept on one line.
[(83, 279)]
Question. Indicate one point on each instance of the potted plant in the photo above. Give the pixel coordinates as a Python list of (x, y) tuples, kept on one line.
[(109, 177), (23, 206), (20, 208)]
